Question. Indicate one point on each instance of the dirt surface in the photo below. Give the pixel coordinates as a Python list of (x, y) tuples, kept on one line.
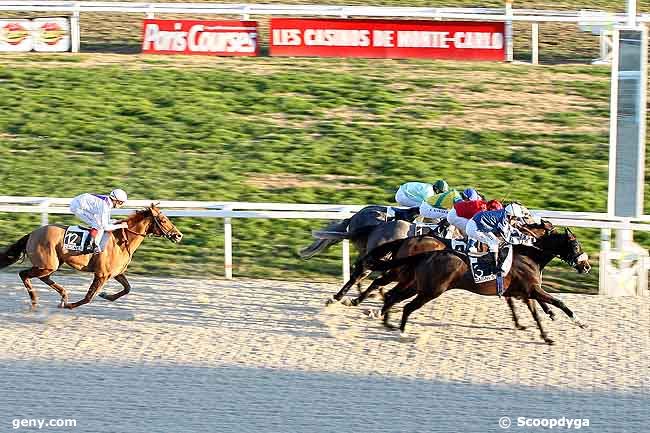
[(267, 356)]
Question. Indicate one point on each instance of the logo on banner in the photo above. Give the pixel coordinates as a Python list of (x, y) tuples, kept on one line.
[(14, 33), (51, 33), (222, 38)]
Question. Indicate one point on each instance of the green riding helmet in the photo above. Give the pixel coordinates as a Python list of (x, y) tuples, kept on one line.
[(440, 186)]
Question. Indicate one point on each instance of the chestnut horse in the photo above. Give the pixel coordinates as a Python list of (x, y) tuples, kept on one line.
[(44, 248)]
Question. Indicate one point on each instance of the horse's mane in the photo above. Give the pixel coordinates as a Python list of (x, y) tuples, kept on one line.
[(138, 215)]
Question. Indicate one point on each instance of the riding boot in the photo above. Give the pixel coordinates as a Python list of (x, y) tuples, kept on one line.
[(499, 274), (471, 246)]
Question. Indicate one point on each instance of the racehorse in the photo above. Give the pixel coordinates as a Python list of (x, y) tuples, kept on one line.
[(438, 271), (366, 229), (44, 248), (426, 242)]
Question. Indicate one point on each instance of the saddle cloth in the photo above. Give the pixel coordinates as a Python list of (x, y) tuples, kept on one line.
[(76, 238), (482, 264), (483, 268)]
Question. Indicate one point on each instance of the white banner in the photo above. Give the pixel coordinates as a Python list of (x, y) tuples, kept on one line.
[(51, 34), (39, 34), (15, 35)]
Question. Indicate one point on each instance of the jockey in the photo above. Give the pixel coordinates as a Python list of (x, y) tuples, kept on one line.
[(412, 194), (95, 210), (485, 226), (438, 206), (464, 210)]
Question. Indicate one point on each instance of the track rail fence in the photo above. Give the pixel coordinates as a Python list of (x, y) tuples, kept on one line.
[(229, 210), (507, 14)]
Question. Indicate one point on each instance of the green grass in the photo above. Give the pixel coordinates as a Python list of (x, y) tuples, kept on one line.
[(207, 133)]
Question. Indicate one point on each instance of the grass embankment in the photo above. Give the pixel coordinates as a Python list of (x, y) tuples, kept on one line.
[(303, 131)]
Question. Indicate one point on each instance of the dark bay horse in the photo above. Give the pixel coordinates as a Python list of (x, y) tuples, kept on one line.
[(366, 229), (439, 271), (44, 248)]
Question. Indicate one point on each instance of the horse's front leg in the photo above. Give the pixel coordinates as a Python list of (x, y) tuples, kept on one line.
[(126, 289), (541, 295), (546, 309), (511, 304), (533, 311), (96, 285), (383, 280)]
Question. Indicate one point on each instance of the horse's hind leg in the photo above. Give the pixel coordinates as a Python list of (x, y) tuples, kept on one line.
[(358, 274), (511, 304), (395, 295), (60, 289), (383, 280), (33, 272), (533, 311), (126, 289), (415, 304), (96, 285)]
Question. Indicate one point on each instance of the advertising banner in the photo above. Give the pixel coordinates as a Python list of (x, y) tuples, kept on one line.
[(51, 34), (217, 38), (38, 34), (15, 35), (459, 40)]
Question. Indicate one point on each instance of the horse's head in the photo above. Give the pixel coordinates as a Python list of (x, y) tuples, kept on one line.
[(162, 226), (567, 247)]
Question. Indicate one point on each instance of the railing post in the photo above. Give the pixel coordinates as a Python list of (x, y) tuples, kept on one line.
[(603, 260), (509, 38), (75, 32), (44, 212), (227, 237), (346, 260), (535, 44)]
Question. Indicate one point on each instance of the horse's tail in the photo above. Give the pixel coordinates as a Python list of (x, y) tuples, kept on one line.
[(331, 235), (316, 247), (14, 252), (334, 231)]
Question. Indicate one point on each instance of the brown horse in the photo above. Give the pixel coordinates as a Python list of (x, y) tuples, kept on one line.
[(44, 248), (439, 271)]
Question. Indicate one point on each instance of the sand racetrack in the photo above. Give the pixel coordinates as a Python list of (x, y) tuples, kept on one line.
[(183, 356)]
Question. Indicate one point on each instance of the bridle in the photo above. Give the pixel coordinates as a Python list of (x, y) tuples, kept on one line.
[(164, 233)]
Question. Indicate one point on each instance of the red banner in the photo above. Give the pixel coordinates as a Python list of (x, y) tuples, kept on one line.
[(458, 40), (217, 38)]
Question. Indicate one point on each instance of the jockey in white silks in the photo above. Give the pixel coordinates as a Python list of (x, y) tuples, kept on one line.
[(488, 225), (95, 210)]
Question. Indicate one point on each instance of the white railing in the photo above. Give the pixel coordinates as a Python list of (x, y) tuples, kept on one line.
[(507, 14), (228, 210)]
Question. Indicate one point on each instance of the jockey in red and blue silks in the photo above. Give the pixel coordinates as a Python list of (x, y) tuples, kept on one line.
[(487, 226)]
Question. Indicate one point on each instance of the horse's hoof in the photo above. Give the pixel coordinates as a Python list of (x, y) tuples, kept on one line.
[(331, 301), (579, 323), (390, 326), (549, 341), (403, 335), (373, 313), (103, 295), (346, 301), (520, 327), (553, 317)]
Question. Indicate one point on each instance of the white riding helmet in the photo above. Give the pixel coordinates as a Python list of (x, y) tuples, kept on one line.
[(118, 194), (516, 210)]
